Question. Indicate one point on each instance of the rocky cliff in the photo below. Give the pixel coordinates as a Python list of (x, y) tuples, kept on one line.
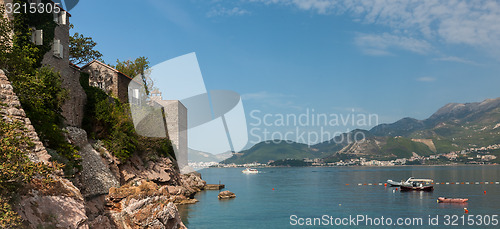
[(62, 204), (11, 110), (140, 193)]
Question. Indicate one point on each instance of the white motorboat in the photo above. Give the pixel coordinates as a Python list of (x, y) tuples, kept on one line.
[(399, 183), (250, 171)]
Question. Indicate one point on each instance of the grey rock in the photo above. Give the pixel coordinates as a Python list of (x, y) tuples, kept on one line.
[(95, 178), (226, 195)]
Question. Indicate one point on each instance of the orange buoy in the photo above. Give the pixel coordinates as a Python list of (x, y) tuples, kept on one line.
[(466, 211), (396, 189), (484, 192), (273, 189), (385, 184)]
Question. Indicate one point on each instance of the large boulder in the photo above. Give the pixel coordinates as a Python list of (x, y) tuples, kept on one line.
[(193, 180), (58, 206), (144, 206), (160, 170), (101, 222), (226, 195)]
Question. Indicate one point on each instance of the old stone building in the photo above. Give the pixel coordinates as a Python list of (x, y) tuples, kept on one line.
[(108, 79), (58, 59), (176, 119)]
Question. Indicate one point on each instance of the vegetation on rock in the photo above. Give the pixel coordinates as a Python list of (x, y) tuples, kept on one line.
[(16, 170), (107, 119)]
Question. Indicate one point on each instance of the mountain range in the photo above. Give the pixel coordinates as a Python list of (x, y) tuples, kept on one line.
[(196, 156), (455, 126)]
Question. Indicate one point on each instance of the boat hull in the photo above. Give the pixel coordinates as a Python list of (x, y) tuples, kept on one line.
[(418, 188), (394, 183), (452, 200), (250, 171)]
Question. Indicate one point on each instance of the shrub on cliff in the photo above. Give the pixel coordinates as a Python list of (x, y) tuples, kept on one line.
[(106, 118), (109, 120), (16, 170)]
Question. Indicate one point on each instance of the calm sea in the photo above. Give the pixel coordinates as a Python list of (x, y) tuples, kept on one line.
[(313, 192)]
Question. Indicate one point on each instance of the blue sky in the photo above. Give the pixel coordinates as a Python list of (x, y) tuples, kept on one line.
[(393, 59)]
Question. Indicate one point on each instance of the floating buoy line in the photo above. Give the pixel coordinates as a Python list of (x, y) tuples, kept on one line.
[(436, 183)]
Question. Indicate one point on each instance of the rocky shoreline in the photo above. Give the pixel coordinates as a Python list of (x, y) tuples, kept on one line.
[(108, 194), (142, 192), (147, 194)]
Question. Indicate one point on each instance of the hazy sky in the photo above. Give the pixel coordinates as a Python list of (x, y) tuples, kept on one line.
[(390, 58)]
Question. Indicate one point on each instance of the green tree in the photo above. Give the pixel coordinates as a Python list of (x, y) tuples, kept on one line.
[(139, 66), (81, 49)]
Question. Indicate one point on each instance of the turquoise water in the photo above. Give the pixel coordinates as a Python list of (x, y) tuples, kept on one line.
[(312, 192)]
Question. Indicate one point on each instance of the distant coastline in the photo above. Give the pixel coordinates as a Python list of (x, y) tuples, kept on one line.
[(354, 166)]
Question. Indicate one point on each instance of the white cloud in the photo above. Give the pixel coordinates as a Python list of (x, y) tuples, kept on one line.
[(375, 44), (235, 11), (471, 22), (320, 6), (426, 79), (455, 59)]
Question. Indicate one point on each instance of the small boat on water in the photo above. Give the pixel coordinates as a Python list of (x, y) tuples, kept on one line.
[(250, 171), (418, 185), (451, 200), (399, 183)]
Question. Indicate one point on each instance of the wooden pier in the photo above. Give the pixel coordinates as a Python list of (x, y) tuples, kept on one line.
[(214, 186)]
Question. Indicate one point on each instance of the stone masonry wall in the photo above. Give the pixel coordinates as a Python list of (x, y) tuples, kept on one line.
[(11, 110), (73, 107), (98, 73), (112, 81), (176, 118), (123, 82), (74, 104)]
